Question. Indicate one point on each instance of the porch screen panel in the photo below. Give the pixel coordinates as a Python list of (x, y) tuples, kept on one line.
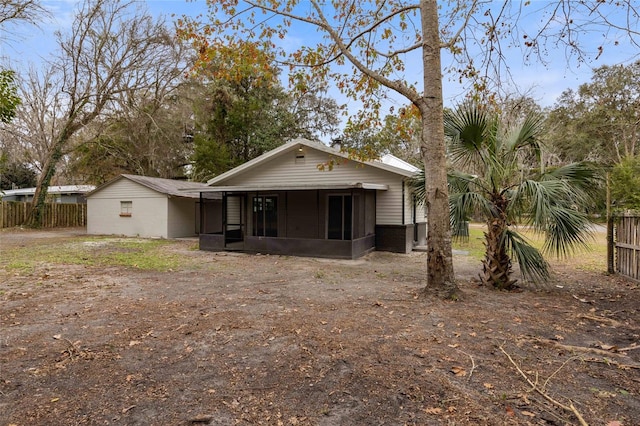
[(270, 217), (265, 217), (234, 223), (347, 217), (358, 216), (258, 216), (340, 216)]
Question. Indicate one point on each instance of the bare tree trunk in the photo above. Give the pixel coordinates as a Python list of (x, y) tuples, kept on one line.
[(35, 217), (440, 275)]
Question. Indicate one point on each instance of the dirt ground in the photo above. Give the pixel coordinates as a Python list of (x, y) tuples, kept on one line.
[(254, 339)]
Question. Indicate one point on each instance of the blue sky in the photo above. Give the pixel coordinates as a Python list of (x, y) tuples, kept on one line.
[(29, 45)]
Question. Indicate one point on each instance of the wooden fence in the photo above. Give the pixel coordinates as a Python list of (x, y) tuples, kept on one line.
[(628, 246), (56, 215)]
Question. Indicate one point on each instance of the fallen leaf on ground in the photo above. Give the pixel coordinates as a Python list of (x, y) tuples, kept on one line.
[(458, 371), (433, 410), (606, 347)]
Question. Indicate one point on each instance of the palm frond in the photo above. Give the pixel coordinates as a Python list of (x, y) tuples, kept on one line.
[(567, 231), (466, 128), (525, 135), (533, 265), (536, 198), (461, 206), (550, 209), (417, 186), (584, 178)]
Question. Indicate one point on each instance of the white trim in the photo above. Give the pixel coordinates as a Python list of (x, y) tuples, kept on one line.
[(292, 187)]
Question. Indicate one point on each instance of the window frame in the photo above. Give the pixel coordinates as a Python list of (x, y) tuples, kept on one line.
[(126, 208)]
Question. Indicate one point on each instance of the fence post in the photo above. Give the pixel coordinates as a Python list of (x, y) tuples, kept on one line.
[(611, 268)]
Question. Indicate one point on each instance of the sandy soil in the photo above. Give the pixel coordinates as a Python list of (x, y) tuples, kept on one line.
[(254, 339)]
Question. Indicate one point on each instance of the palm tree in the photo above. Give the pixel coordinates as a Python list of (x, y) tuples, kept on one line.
[(493, 177)]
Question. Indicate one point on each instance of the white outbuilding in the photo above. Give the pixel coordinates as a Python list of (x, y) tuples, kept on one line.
[(144, 206)]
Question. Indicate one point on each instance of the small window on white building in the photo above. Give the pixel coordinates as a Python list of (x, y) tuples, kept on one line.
[(126, 207)]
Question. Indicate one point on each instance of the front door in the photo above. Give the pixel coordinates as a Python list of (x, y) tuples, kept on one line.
[(234, 221)]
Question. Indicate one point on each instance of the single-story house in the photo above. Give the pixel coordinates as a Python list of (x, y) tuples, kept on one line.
[(63, 194), (305, 198), (144, 206)]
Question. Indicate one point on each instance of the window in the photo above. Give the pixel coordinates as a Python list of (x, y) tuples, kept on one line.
[(339, 217), (126, 207), (265, 216)]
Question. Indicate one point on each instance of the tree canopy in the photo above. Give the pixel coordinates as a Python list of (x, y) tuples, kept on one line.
[(244, 111), (625, 184), (16, 175), (9, 99), (600, 121)]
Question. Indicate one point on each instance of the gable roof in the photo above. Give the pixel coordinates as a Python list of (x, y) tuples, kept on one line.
[(388, 162), (171, 187)]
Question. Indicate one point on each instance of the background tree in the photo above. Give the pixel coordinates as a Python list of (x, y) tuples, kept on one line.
[(13, 12), (16, 175), (25, 11), (245, 111), (147, 132), (110, 49), (625, 184), (9, 99), (379, 38), (494, 177), (600, 121), (398, 135)]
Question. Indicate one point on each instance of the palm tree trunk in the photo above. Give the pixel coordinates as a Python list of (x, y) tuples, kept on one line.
[(496, 266)]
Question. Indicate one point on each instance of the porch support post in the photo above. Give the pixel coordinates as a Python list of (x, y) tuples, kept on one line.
[(352, 215)]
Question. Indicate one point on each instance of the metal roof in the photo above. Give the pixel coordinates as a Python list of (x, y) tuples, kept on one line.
[(53, 189)]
